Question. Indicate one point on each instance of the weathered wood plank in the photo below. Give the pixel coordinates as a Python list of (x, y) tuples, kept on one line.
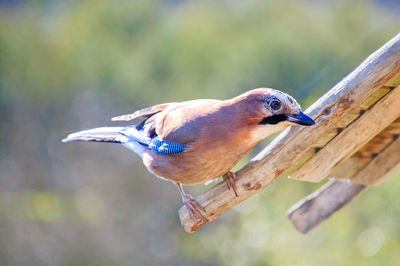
[(301, 161), (380, 166), (376, 159), (362, 157), (318, 206), (326, 137), (349, 118), (376, 96), (333, 132), (351, 139), (394, 82), (373, 73), (350, 167)]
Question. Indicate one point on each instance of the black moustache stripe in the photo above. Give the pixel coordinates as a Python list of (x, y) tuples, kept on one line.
[(273, 120)]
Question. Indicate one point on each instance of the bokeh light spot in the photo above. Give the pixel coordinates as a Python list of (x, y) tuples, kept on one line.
[(90, 206), (44, 206), (370, 241)]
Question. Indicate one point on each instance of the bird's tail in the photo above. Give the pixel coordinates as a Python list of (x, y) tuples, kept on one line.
[(123, 135), (101, 134)]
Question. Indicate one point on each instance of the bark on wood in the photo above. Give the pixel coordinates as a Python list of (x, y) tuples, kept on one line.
[(362, 157), (380, 166), (355, 162), (315, 208), (352, 138), (372, 74), (363, 168)]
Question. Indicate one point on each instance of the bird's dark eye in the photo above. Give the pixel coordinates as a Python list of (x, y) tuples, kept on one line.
[(275, 105)]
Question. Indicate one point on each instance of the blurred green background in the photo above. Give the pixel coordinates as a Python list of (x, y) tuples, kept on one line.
[(70, 65)]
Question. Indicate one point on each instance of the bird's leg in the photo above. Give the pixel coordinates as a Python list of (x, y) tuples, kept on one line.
[(192, 205), (229, 179)]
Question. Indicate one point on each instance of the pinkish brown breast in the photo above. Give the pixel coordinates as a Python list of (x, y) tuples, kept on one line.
[(203, 161), (218, 134)]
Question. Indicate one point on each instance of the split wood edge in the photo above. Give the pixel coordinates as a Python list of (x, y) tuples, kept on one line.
[(351, 139), (362, 157), (362, 171), (318, 206)]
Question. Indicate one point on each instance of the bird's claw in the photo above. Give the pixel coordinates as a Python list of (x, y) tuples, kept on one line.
[(229, 179), (194, 208)]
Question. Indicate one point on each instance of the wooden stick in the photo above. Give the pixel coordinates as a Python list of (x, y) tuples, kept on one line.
[(352, 138), (349, 168), (318, 206), (373, 73), (380, 166)]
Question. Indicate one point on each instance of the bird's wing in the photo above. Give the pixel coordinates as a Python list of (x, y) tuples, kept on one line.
[(171, 127), (144, 113), (185, 122)]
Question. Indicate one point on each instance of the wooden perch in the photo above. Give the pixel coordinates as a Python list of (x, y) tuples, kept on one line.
[(292, 143), (362, 157), (380, 166), (315, 208), (364, 168), (352, 138)]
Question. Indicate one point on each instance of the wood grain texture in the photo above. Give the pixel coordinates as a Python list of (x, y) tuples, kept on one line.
[(394, 81), (318, 206), (352, 138), (362, 157), (347, 95), (376, 96), (380, 166), (333, 132), (368, 166)]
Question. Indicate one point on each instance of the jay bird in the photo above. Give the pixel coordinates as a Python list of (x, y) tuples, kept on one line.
[(196, 141)]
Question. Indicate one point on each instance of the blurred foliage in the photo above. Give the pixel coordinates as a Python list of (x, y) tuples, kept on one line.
[(67, 65)]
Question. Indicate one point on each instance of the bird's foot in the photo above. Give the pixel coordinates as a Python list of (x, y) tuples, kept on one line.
[(229, 179), (194, 208)]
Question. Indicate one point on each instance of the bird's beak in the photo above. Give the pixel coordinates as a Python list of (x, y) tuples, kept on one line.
[(301, 119)]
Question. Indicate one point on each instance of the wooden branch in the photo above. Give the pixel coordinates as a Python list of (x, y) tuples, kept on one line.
[(352, 138), (318, 206), (362, 157), (380, 166), (331, 133), (350, 167), (395, 81), (373, 73), (315, 208), (312, 210)]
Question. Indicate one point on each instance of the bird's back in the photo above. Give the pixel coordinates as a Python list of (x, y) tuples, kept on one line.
[(211, 131)]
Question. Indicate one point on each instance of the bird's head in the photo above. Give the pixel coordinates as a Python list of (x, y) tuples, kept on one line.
[(273, 107)]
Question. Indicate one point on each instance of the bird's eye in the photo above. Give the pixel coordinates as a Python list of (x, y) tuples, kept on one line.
[(275, 105)]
